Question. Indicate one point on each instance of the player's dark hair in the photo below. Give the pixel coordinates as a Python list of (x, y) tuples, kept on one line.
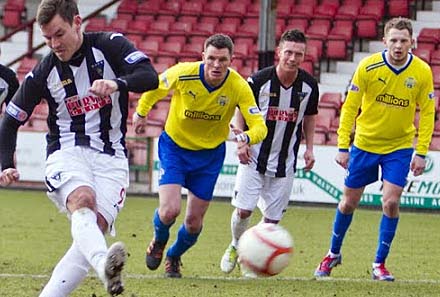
[(220, 41), (398, 23), (48, 9), (294, 35)]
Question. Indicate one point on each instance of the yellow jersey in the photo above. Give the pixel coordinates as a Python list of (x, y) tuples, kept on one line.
[(200, 114), (387, 98)]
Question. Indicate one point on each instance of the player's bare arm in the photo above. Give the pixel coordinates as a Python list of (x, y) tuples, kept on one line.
[(418, 165)]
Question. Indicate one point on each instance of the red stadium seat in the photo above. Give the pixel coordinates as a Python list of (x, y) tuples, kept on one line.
[(237, 9), (325, 11), (192, 50), (398, 8), (192, 8), (331, 100), (319, 137), (424, 54), (300, 24), (226, 28), (436, 76), (151, 7), (284, 10), (435, 57), (151, 48), (128, 7), (209, 19), (159, 28), (118, 25), (138, 27), (172, 49), (347, 12), (11, 18), (366, 27), (170, 8), (214, 8), (180, 28), (241, 50), (203, 29), (302, 11), (96, 24)]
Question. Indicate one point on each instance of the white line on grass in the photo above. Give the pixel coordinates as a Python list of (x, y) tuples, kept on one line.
[(146, 276)]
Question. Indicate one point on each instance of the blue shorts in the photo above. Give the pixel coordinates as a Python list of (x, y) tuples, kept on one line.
[(363, 167), (195, 170)]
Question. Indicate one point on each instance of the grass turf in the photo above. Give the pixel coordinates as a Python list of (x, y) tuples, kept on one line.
[(35, 236)]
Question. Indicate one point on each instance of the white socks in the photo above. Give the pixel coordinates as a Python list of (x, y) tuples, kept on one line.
[(89, 238), (238, 226), (67, 275)]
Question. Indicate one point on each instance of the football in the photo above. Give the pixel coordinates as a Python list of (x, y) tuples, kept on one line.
[(265, 249)]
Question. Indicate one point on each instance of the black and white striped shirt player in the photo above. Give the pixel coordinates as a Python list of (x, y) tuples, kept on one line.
[(76, 116), (283, 108)]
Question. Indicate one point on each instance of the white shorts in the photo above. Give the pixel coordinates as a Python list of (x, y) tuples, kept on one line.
[(107, 175), (270, 194)]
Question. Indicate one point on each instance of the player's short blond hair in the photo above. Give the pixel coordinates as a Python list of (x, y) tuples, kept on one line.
[(398, 23)]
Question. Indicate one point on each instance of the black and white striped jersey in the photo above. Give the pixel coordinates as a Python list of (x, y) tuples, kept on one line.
[(76, 116), (283, 108), (8, 84)]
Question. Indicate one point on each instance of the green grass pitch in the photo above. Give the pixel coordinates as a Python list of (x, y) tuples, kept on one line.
[(34, 236)]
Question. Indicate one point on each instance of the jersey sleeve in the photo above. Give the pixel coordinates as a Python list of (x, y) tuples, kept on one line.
[(350, 108), (17, 113), (252, 115), (167, 81), (132, 67), (426, 103), (312, 105)]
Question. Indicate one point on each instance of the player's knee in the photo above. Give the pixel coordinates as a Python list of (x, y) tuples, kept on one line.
[(169, 214), (80, 198), (193, 223), (243, 213), (390, 205), (348, 206)]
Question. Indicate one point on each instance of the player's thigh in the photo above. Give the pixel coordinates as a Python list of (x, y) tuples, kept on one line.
[(204, 167), (248, 186), (363, 168), (396, 165), (111, 175), (66, 170), (275, 197)]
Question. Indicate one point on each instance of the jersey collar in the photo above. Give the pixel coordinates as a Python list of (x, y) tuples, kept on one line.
[(394, 69), (207, 86)]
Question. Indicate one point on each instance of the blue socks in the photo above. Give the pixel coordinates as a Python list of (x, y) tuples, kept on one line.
[(387, 230), (340, 226), (184, 241), (161, 231)]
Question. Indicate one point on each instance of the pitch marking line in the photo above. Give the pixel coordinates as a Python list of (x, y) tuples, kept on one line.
[(145, 276)]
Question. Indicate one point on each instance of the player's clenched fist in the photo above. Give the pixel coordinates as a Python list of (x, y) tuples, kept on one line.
[(9, 176)]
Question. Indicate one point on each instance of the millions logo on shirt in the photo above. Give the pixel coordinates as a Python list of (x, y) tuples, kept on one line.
[(78, 106)]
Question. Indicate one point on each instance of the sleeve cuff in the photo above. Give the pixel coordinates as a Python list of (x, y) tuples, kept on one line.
[(341, 150)]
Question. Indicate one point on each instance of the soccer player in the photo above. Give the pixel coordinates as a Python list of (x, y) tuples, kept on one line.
[(387, 87), (288, 98), (85, 80), (192, 147), (8, 85)]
